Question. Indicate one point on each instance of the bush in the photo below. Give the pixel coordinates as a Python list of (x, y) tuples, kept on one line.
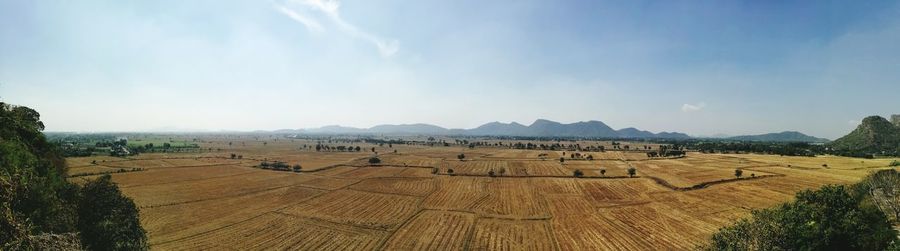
[(894, 163), (374, 160), (578, 173), (830, 218), (107, 219)]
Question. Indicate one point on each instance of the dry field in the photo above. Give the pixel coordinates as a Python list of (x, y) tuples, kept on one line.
[(207, 200)]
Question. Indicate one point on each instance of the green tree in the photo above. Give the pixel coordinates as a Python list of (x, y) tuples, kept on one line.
[(830, 218), (107, 219), (632, 172), (738, 173)]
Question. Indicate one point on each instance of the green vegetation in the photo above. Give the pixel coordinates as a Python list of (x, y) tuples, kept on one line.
[(107, 220), (895, 163), (834, 217), (40, 209), (875, 135)]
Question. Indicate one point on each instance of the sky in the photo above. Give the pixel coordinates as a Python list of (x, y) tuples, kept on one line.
[(698, 67)]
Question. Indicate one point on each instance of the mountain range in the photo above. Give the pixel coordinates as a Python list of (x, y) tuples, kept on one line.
[(540, 128), (544, 128)]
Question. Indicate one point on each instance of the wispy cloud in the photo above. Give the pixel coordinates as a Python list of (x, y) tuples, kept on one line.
[(386, 47), (693, 107), (311, 24)]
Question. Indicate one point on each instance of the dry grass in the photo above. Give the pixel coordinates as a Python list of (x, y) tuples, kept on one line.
[(339, 202)]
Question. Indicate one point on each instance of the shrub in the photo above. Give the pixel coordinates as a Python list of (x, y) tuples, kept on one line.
[(450, 171), (603, 172), (578, 173), (830, 218), (374, 160), (632, 172), (107, 219), (491, 173), (738, 173), (894, 163), (297, 168)]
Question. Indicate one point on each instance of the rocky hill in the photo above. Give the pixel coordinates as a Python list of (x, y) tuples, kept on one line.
[(875, 135)]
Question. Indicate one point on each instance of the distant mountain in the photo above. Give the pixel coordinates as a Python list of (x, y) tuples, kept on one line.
[(409, 128), (336, 129), (786, 136), (540, 128), (874, 135), (498, 129)]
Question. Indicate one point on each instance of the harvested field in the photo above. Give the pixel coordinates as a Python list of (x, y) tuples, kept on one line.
[(207, 200), (456, 193), (506, 199), (495, 234), (433, 230), (406, 186), (171, 223), (363, 209), (281, 232)]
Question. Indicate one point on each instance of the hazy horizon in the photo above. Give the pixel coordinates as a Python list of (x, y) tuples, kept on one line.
[(734, 68)]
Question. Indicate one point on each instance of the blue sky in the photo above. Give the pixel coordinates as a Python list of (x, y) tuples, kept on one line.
[(699, 67)]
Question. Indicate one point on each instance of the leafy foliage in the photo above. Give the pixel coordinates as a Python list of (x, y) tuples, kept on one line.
[(38, 205), (831, 218), (107, 220)]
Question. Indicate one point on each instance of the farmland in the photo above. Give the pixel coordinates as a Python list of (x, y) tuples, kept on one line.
[(425, 196)]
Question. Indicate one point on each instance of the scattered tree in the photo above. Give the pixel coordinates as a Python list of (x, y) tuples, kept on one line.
[(603, 172), (578, 173), (738, 173), (632, 171)]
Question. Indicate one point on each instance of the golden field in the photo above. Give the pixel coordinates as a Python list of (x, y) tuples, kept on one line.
[(411, 201)]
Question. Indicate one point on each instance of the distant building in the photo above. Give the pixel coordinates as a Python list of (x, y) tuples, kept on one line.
[(895, 119), (119, 150)]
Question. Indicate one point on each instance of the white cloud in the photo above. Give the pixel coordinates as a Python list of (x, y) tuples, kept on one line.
[(386, 47), (693, 107), (311, 24)]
